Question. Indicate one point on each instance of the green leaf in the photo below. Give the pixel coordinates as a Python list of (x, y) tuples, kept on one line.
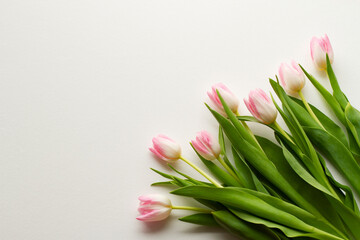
[(350, 218), (338, 94), (303, 173), (183, 183), (243, 200), (312, 162), (176, 181), (205, 219), (162, 183), (222, 141), (292, 209), (333, 129), (245, 174), (349, 199), (289, 232), (223, 149), (337, 154), (354, 148), (353, 120), (196, 182), (300, 179), (329, 124), (290, 120), (248, 119), (242, 228), (330, 99), (165, 175), (258, 159), (275, 155)]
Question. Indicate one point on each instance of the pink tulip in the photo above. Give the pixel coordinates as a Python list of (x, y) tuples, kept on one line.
[(154, 207), (165, 148), (292, 77), (261, 106), (230, 99), (206, 146), (319, 47)]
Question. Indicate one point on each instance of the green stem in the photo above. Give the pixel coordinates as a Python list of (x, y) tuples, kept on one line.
[(231, 172), (192, 209), (213, 181), (308, 108), (277, 127)]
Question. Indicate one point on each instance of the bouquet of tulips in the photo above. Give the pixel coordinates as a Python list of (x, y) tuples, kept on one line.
[(265, 190)]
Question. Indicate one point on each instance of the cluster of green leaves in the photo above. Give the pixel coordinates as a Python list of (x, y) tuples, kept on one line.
[(343, 150), (285, 190)]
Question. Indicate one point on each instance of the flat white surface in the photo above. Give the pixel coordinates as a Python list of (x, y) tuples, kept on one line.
[(86, 84)]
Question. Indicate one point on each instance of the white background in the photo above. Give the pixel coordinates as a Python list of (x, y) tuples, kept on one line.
[(86, 84)]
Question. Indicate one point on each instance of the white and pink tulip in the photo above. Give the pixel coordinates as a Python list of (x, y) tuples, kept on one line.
[(165, 148), (292, 77), (154, 207), (205, 145), (319, 47), (261, 107), (230, 99)]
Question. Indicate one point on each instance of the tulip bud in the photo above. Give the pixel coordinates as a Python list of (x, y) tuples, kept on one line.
[(206, 146), (230, 99), (165, 148), (154, 207), (261, 106), (318, 48), (292, 77)]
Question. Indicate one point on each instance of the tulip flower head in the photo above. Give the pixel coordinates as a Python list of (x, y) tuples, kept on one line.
[(165, 148), (292, 77), (154, 207), (319, 47), (230, 99), (261, 107), (205, 145)]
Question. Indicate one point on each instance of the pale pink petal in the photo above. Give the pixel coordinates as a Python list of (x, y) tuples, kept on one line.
[(155, 215), (200, 148), (226, 94), (165, 148), (154, 151), (261, 107), (319, 47), (281, 74), (250, 108), (329, 49), (314, 41), (154, 207), (291, 77), (205, 146), (296, 67), (263, 95), (214, 99)]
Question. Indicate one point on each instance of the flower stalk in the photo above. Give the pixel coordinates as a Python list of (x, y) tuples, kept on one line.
[(213, 181), (230, 171), (310, 111), (196, 209)]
